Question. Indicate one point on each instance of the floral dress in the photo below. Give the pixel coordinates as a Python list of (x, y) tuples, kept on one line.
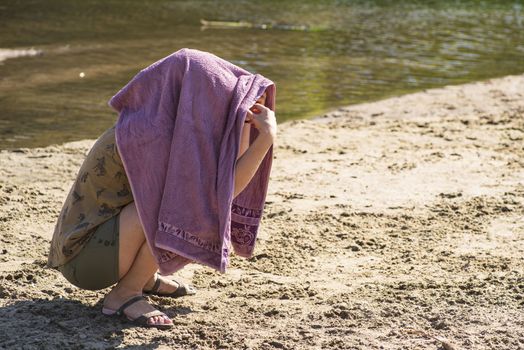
[(99, 192)]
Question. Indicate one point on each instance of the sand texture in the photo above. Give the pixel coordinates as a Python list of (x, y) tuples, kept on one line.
[(397, 224)]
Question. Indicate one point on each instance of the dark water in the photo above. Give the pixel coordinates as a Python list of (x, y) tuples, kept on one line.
[(355, 51)]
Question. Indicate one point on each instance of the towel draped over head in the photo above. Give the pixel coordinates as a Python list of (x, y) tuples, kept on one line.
[(178, 135)]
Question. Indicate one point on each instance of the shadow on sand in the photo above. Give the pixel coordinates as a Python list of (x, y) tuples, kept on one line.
[(67, 324)]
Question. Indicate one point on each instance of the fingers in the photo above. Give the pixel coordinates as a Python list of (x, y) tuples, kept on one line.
[(257, 111), (249, 117), (258, 108)]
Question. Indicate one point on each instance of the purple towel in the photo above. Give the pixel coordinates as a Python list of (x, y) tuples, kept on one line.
[(178, 135)]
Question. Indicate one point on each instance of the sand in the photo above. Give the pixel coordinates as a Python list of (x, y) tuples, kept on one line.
[(397, 224)]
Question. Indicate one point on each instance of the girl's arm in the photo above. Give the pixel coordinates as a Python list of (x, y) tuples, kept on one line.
[(250, 158), (244, 139)]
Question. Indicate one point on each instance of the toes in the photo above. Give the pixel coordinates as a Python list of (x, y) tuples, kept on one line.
[(156, 320)]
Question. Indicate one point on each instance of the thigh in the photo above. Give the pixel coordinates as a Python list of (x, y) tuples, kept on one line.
[(131, 238)]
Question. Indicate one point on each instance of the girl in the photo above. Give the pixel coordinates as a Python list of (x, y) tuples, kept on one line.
[(99, 239)]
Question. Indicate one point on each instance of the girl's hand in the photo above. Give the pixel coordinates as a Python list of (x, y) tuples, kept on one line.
[(263, 119)]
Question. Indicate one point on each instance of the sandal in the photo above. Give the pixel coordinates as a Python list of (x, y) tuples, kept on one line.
[(140, 320), (182, 290)]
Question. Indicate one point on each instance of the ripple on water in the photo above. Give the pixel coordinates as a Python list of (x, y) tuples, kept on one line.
[(6, 54)]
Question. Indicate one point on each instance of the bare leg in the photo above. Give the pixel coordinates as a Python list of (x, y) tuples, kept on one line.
[(136, 267), (131, 238)]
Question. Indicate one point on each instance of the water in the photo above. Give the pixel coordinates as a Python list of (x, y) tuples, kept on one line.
[(60, 61)]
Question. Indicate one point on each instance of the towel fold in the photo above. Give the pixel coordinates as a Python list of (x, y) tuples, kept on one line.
[(178, 136)]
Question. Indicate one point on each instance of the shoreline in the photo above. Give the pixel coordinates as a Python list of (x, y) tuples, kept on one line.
[(387, 223), (326, 114)]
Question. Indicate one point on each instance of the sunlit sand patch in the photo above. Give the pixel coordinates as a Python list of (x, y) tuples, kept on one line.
[(500, 232), (13, 265), (474, 243), (346, 272), (510, 228)]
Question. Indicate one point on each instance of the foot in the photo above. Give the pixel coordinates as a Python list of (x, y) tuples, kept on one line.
[(166, 286), (118, 296)]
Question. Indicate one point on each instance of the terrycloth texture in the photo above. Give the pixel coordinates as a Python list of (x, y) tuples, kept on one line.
[(178, 135)]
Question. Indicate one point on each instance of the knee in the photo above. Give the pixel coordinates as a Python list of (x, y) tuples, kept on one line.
[(130, 222)]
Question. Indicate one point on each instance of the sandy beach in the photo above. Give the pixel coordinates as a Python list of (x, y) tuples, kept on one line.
[(397, 224)]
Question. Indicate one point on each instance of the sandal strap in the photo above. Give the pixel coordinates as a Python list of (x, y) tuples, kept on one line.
[(181, 290), (128, 303), (158, 281), (156, 285)]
